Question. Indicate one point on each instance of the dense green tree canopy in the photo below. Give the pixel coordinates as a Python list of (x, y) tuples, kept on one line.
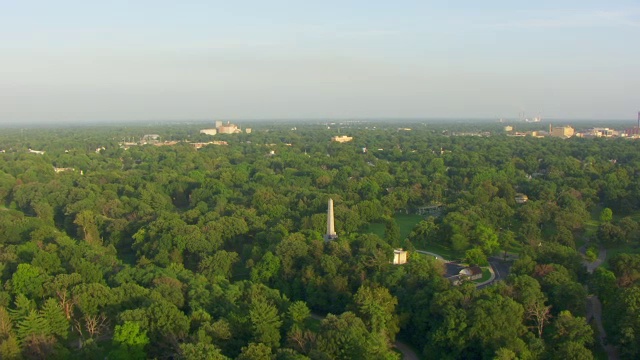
[(115, 250)]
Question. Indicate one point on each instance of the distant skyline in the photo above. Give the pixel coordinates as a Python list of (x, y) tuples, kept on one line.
[(77, 61)]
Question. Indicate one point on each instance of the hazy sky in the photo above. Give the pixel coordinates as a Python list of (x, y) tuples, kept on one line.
[(142, 60)]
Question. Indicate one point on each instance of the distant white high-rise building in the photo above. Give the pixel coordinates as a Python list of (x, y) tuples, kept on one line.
[(331, 231)]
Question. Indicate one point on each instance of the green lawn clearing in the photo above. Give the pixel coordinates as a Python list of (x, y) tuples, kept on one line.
[(442, 250), (406, 223), (486, 274), (622, 249)]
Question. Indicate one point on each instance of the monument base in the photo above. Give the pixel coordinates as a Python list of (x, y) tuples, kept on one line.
[(328, 237)]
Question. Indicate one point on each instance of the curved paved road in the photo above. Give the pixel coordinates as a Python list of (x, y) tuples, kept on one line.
[(602, 256), (406, 350), (594, 307), (489, 281), (594, 310)]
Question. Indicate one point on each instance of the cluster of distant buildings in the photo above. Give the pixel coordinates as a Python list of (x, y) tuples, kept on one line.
[(147, 139), (197, 145), (227, 128), (565, 132), (471, 133), (155, 139)]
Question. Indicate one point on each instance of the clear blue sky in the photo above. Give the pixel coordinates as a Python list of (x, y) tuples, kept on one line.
[(140, 60)]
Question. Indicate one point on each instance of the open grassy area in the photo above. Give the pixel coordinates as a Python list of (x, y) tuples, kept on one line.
[(486, 274), (376, 228), (406, 223), (590, 227), (443, 250), (515, 247), (613, 251)]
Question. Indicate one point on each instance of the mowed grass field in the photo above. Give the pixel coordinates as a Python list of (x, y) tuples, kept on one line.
[(486, 274), (406, 223)]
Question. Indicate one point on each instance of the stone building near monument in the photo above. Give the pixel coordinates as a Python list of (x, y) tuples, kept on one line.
[(399, 256)]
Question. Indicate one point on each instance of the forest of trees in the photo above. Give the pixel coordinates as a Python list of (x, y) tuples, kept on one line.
[(169, 252)]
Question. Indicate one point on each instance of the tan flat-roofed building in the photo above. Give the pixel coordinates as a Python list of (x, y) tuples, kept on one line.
[(228, 129), (342, 139), (562, 132), (399, 257)]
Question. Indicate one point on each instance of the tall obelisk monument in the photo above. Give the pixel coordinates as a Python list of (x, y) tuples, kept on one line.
[(331, 231)]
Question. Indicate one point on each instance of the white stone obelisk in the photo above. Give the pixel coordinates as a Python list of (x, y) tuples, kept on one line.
[(331, 232)]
